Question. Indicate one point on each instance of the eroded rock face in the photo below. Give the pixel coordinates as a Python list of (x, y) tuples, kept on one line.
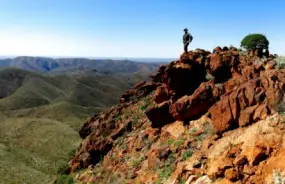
[(161, 94), (223, 64), (159, 115), (185, 136), (139, 90), (184, 78), (191, 107), (241, 93)]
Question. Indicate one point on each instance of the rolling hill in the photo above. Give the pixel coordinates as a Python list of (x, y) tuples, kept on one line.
[(41, 113)]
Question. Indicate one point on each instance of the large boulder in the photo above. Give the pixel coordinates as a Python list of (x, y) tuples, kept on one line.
[(194, 106), (138, 90), (222, 64), (161, 94), (184, 78), (159, 115)]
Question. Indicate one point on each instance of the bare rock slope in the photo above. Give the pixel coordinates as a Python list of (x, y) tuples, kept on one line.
[(205, 118)]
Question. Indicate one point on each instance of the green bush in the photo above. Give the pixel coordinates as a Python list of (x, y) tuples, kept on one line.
[(64, 179), (187, 154), (280, 62), (254, 41)]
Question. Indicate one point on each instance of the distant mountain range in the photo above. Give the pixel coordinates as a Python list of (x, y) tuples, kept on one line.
[(79, 65)]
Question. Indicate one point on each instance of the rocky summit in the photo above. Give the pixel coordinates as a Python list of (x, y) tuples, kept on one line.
[(209, 117)]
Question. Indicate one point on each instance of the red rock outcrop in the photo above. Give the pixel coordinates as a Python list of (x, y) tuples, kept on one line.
[(139, 90), (160, 115), (194, 106), (243, 95), (183, 132)]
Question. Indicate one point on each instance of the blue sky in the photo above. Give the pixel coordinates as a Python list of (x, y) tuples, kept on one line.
[(134, 28)]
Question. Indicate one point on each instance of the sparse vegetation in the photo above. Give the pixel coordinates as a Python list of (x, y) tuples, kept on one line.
[(193, 130), (209, 76), (40, 113), (62, 168), (137, 162), (166, 170), (178, 143), (170, 141), (64, 179), (146, 103), (280, 62), (186, 154), (118, 118)]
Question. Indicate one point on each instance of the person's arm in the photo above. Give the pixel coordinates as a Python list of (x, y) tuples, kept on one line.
[(190, 38)]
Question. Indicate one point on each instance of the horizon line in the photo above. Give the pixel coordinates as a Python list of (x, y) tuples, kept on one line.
[(91, 57)]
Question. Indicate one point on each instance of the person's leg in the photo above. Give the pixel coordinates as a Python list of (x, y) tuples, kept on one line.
[(186, 47)]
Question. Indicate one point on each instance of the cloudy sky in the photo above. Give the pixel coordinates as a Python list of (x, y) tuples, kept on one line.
[(134, 28)]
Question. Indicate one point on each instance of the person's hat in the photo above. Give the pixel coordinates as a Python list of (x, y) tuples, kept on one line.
[(185, 29)]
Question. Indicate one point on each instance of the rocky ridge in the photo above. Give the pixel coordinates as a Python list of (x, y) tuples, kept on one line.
[(205, 118)]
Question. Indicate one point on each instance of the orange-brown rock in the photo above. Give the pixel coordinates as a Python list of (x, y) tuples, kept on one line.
[(261, 112), (161, 94), (191, 107), (217, 49), (232, 174), (159, 115), (231, 112), (221, 64), (86, 129), (216, 168), (91, 150), (184, 78), (246, 116), (255, 155), (221, 115), (160, 75), (139, 90), (240, 160), (242, 93), (270, 65)]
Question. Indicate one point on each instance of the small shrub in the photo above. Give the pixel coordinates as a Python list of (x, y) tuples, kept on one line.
[(124, 146), (170, 141), (178, 143), (167, 169), (186, 154), (209, 76), (135, 120), (137, 162), (199, 137), (118, 118), (280, 62), (193, 130), (146, 103), (114, 178), (166, 172), (64, 179)]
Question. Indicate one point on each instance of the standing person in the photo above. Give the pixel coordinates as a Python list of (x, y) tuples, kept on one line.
[(187, 39)]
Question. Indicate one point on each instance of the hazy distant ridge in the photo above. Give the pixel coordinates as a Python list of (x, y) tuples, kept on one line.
[(62, 65)]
